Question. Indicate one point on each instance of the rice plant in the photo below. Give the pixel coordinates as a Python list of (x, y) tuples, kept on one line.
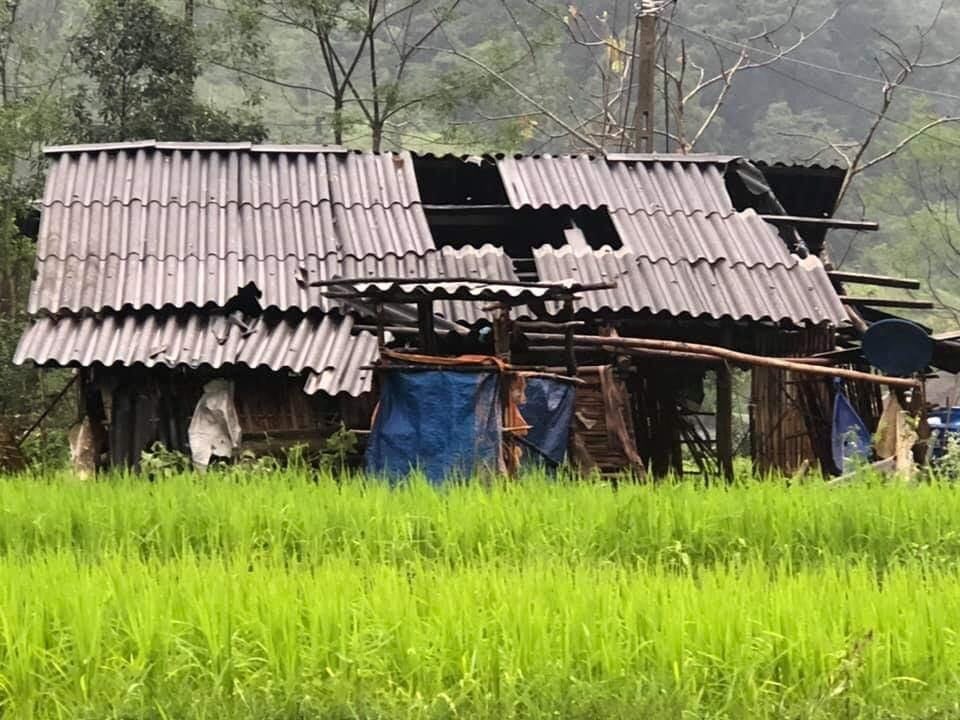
[(300, 596)]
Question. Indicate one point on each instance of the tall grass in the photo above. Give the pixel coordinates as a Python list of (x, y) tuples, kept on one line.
[(287, 597)]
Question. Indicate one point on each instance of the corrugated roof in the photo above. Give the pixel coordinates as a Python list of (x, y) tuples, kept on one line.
[(690, 251), (214, 199), (148, 282), (739, 238), (665, 183), (323, 347), (798, 294)]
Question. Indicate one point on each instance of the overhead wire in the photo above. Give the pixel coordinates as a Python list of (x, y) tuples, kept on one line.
[(808, 64), (821, 90)]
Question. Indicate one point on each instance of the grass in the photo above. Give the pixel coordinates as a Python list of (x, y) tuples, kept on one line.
[(233, 596)]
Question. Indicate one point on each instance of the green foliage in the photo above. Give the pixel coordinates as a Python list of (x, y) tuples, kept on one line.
[(159, 462), (224, 596), (144, 64)]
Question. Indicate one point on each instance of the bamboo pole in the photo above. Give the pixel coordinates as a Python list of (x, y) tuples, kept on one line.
[(731, 355)]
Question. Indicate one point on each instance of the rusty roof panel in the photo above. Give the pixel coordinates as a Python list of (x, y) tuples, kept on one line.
[(665, 184), (138, 282), (325, 348), (799, 294), (740, 238)]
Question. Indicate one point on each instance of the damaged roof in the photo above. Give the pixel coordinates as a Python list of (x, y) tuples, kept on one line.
[(324, 348), (718, 289), (687, 249), (145, 243)]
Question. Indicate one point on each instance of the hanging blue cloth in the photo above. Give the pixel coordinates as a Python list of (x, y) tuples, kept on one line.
[(548, 410), (851, 438), (444, 422)]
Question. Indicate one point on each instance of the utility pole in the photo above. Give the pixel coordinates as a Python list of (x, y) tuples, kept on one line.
[(646, 68)]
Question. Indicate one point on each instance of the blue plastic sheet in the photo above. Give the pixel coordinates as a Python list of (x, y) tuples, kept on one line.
[(851, 438), (445, 423), (549, 411)]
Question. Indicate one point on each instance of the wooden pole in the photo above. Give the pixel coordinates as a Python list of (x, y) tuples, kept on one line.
[(725, 421), (646, 67), (729, 355)]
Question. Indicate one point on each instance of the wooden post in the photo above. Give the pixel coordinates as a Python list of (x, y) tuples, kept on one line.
[(428, 338), (501, 333), (568, 340), (725, 421)]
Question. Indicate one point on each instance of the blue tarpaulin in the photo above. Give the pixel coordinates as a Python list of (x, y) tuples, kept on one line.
[(851, 438), (549, 411), (444, 422)]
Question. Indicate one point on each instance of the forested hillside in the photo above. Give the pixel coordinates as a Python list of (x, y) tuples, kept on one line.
[(871, 86)]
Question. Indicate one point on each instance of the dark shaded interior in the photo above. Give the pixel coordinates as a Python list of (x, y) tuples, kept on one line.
[(450, 180), (802, 191)]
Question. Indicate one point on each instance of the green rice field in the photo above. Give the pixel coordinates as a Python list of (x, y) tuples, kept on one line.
[(288, 595)]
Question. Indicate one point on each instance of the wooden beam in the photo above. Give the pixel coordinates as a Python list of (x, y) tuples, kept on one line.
[(822, 222), (428, 338), (731, 356), (725, 421), (880, 280), (887, 302)]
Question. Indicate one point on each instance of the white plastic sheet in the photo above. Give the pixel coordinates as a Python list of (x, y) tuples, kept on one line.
[(215, 427)]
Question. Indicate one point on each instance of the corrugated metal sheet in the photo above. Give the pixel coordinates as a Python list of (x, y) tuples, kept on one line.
[(721, 289), (468, 290), (323, 347), (740, 238), (684, 184), (148, 282), (218, 199)]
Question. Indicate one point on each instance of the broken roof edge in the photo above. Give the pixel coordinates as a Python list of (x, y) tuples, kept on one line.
[(626, 250)]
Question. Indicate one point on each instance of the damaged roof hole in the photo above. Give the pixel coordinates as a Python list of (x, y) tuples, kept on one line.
[(246, 301), (451, 181)]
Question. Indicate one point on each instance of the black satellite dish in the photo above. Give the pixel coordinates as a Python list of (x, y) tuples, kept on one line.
[(897, 347)]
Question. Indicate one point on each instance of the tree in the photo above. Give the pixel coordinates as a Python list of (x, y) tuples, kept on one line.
[(693, 82), (143, 65), (376, 70)]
